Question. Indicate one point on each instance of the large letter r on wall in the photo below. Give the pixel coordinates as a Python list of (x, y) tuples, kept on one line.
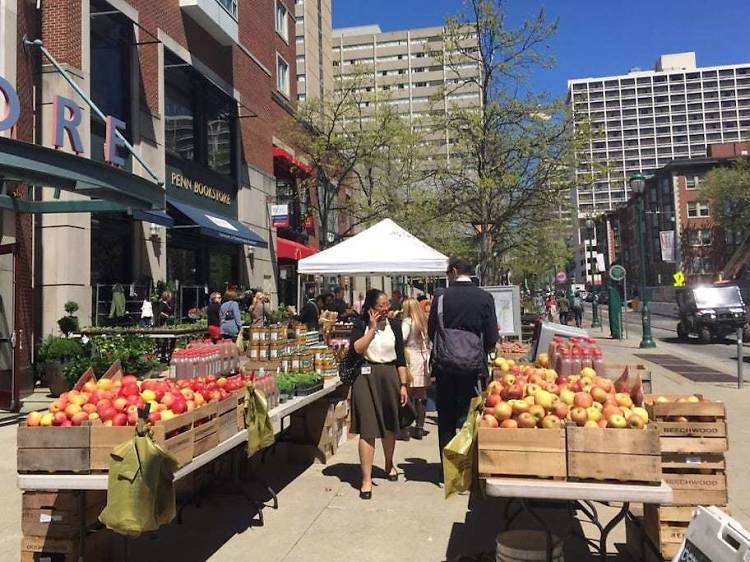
[(66, 117)]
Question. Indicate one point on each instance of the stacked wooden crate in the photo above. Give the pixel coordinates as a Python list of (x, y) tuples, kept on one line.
[(693, 435)]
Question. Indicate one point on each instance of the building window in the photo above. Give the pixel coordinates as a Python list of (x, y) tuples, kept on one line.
[(199, 118), (282, 28), (701, 265), (282, 75), (301, 60), (699, 237), (697, 209), (301, 97), (693, 182)]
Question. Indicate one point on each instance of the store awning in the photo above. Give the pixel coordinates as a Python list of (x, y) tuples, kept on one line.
[(291, 160), (288, 249), (155, 217), (219, 227)]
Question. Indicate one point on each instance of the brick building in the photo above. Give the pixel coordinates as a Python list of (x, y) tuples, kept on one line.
[(201, 88)]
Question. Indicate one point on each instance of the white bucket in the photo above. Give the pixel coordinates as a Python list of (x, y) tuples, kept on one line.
[(526, 546)]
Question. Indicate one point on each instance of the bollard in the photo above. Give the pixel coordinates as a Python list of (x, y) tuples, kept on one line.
[(740, 359)]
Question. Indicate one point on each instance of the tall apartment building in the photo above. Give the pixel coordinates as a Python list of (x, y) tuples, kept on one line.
[(314, 52), (407, 70), (644, 119)]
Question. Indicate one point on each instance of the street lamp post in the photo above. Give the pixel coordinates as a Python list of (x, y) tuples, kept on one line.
[(638, 186), (595, 321)]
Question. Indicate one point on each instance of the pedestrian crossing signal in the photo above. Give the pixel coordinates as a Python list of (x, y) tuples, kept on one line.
[(679, 279)]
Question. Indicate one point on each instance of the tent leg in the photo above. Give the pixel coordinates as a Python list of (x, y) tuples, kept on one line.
[(299, 292)]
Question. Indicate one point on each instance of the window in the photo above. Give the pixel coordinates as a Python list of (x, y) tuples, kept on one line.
[(701, 265), (697, 209), (693, 181), (301, 60), (301, 97), (282, 28), (282, 75), (699, 237)]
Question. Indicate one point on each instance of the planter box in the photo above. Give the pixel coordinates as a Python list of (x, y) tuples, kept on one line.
[(628, 455), (522, 452), (306, 391)]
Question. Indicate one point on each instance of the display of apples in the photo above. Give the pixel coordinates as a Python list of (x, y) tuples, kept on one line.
[(116, 401), (527, 396)]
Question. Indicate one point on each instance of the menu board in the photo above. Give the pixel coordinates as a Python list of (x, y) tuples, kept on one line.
[(507, 301)]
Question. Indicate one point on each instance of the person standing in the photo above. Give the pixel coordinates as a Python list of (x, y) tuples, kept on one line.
[(310, 314), (165, 312), (213, 316), (551, 308), (417, 345), (577, 308), (462, 318), (563, 306), (381, 386), (339, 305), (358, 304), (396, 300), (260, 310), (229, 313)]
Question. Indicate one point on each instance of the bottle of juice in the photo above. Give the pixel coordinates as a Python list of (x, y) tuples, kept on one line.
[(598, 362), (575, 361), (564, 364)]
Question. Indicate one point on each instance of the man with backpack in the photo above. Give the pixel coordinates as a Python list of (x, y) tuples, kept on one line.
[(577, 307), (463, 328)]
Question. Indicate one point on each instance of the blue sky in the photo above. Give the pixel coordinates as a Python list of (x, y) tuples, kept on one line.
[(595, 37)]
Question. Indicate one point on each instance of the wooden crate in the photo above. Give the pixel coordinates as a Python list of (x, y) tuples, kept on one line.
[(57, 514), (227, 420), (614, 370), (614, 454), (665, 527), (205, 428), (698, 489), (53, 449), (99, 546), (522, 452)]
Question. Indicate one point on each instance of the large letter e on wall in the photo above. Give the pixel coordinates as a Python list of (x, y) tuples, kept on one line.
[(66, 117)]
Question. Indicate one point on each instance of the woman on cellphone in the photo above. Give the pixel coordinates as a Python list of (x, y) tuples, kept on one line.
[(381, 387)]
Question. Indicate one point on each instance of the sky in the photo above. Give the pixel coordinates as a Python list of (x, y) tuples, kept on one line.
[(594, 37)]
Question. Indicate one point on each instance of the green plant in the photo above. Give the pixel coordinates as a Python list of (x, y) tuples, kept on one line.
[(136, 354), (56, 348), (69, 323)]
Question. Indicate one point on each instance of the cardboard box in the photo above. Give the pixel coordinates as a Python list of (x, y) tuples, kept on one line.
[(308, 454), (313, 425)]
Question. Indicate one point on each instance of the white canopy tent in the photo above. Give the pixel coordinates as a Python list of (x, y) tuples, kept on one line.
[(382, 249)]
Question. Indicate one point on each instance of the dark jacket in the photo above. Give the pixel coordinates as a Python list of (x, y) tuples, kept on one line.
[(359, 327), (466, 307), (309, 316), (164, 312), (212, 312)]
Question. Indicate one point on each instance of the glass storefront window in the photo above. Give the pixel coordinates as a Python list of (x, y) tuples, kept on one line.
[(179, 126)]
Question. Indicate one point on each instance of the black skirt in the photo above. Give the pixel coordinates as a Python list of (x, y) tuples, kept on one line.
[(375, 402)]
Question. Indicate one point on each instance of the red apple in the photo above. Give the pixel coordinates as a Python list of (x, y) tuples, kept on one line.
[(610, 411), (561, 380), (560, 409), (132, 418), (121, 418), (551, 421), (503, 411), (492, 400), (59, 419), (129, 390), (488, 421), (599, 394), (154, 417), (578, 415), (582, 400), (509, 424), (179, 406), (108, 413), (121, 403), (79, 418), (128, 379), (526, 420)]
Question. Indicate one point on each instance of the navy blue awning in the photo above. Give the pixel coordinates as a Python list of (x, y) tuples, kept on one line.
[(220, 227), (155, 217)]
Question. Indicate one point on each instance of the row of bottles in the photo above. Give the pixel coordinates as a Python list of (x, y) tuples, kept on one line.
[(568, 356), (202, 358)]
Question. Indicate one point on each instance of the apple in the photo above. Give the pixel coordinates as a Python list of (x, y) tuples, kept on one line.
[(121, 403), (509, 424), (519, 407), (588, 372), (626, 412), (599, 394), (623, 400), (530, 400), (579, 415), (638, 411), (515, 369), (129, 379), (604, 383), (526, 420), (567, 396), (531, 389), (93, 416), (598, 405), (680, 419), (661, 400), (560, 409), (509, 380), (120, 419), (610, 411), (72, 409), (59, 418), (552, 388), (610, 402), (103, 404), (167, 415), (538, 412), (603, 423), (89, 387), (514, 391), (198, 399), (636, 422), (594, 414), (591, 423), (89, 408), (132, 400), (167, 399), (132, 418), (488, 421), (493, 388), (503, 411), (188, 394), (79, 418), (582, 400), (108, 413), (104, 384), (561, 380), (190, 405), (551, 422), (34, 419), (129, 389), (154, 417), (179, 406), (492, 400), (148, 395), (575, 386), (617, 421), (544, 399), (47, 419), (693, 399)]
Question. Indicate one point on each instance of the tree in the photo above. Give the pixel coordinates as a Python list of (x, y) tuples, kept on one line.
[(540, 253), (364, 154), (728, 192), (514, 155)]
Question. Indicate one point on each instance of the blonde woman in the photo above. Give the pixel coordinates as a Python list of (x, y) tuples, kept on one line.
[(260, 310), (417, 345)]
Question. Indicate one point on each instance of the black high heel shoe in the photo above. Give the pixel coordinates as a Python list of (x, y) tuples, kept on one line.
[(393, 476), (365, 495)]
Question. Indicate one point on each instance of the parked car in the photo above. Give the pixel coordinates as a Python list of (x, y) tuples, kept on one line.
[(711, 312)]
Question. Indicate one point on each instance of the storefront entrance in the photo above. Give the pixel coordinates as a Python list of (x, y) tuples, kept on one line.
[(7, 323)]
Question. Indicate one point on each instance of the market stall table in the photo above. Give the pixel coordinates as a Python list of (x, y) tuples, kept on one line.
[(579, 496)]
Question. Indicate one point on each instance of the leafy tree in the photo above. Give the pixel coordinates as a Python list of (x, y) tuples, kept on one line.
[(540, 253), (728, 192)]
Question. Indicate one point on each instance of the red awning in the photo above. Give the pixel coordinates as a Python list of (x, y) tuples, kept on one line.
[(293, 250), (291, 160)]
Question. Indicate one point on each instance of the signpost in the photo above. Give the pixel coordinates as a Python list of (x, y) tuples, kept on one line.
[(679, 279), (618, 273)]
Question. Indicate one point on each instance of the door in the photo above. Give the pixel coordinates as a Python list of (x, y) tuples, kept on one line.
[(8, 391)]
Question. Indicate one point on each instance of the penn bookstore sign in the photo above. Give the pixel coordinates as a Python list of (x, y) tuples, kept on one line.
[(200, 187), (66, 119)]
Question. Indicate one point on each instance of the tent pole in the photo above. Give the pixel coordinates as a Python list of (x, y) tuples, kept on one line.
[(299, 292)]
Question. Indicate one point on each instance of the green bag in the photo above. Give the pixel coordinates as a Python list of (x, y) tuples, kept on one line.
[(140, 489), (458, 455), (259, 429)]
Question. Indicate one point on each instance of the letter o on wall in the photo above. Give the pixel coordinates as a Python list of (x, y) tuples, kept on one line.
[(12, 105)]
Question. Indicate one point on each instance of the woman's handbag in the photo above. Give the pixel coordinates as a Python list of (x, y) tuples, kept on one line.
[(351, 366)]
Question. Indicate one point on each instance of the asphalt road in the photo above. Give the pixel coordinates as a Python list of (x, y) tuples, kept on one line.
[(721, 355)]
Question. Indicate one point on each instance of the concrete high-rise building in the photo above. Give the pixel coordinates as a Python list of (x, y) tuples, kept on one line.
[(409, 68), (314, 53), (644, 119)]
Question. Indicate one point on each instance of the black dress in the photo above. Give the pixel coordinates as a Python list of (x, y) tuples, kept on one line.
[(376, 395)]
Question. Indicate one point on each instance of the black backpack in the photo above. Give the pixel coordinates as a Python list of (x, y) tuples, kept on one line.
[(456, 351)]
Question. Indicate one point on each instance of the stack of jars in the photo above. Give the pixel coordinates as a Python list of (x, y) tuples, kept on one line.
[(568, 356)]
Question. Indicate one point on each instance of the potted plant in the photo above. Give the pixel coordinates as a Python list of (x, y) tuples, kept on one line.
[(52, 356), (69, 323)]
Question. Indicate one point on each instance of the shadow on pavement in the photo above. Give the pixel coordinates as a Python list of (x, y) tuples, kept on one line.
[(349, 473), (419, 470)]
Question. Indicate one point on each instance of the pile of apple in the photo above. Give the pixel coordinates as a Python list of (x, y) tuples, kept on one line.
[(526, 396), (115, 402), (691, 399)]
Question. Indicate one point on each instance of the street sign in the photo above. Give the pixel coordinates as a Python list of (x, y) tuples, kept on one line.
[(560, 277), (617, 272), (679, 279)]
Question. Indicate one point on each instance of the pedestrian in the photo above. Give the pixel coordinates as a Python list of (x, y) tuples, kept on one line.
[(229, 313), (396, 300), (310, 314), (260, 310), (380, 388), (165, 313), (577, 308), (552, 308), (463, 330), (358, 304), (339, 305), (213, 313), (417, 345), (563, 307)]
